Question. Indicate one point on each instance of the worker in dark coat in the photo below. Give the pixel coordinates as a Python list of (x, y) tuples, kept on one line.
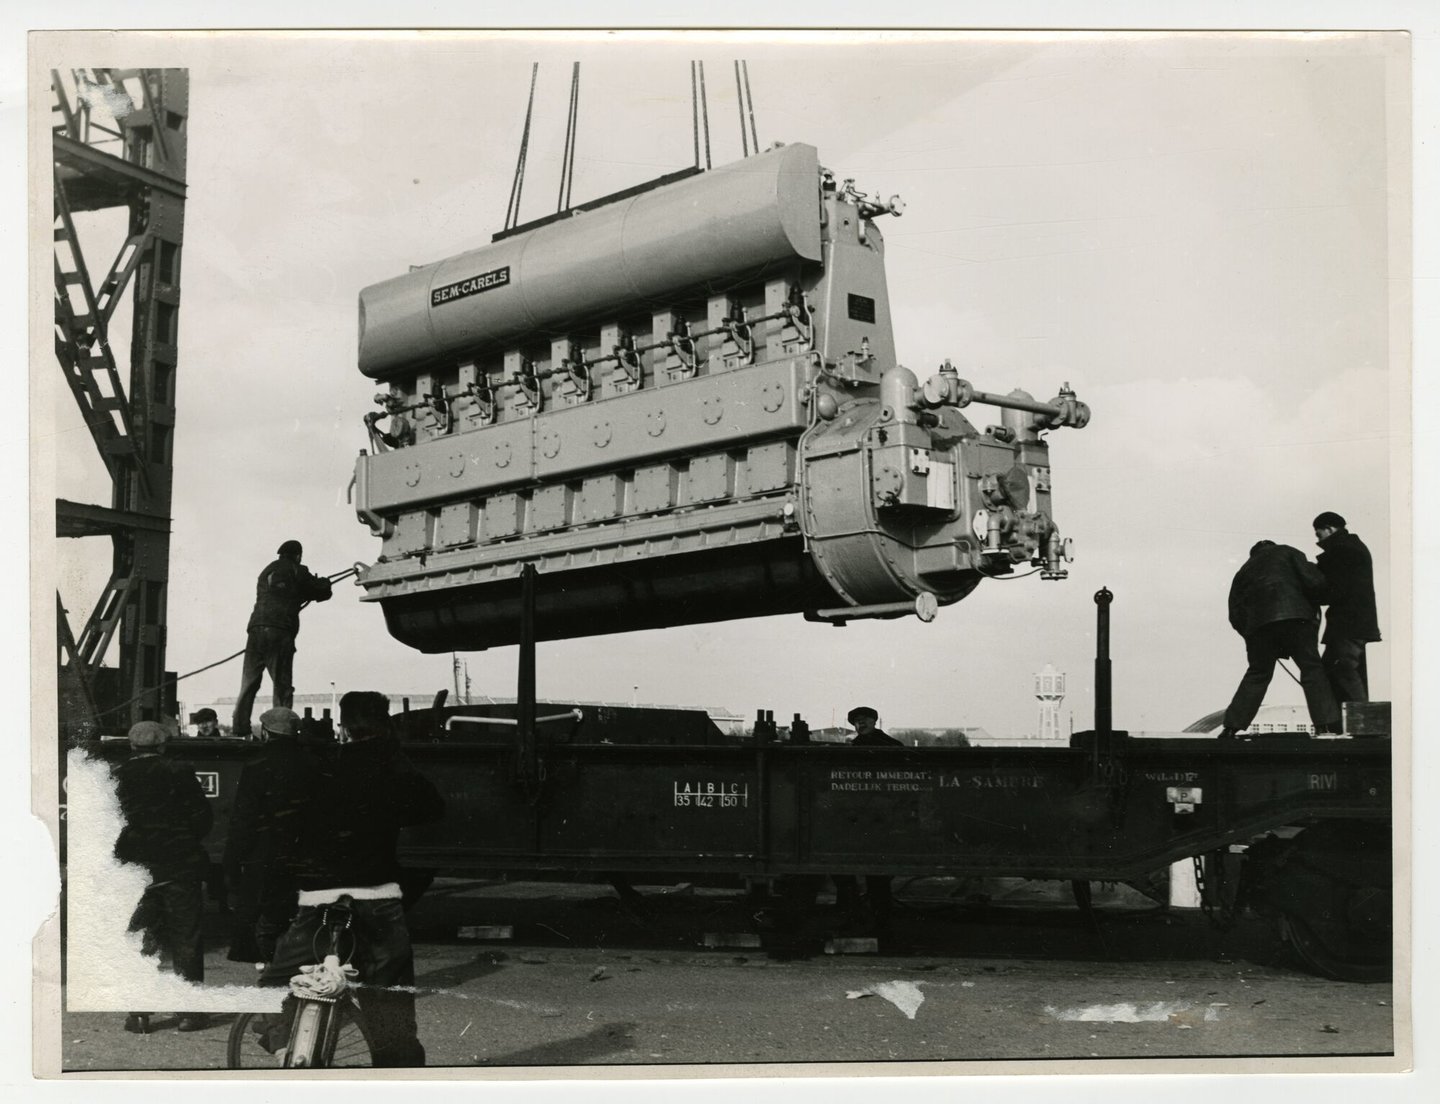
[(166, 816), (867, 734), (1274, 606), (361, 798), (1350, 621), (270, 802), (878, 900), (282, 589)]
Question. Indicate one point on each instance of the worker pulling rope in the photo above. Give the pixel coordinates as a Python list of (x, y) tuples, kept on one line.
[(339, 576)]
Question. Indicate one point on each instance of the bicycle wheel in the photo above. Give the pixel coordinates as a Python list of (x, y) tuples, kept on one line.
[(352, 1049), (243, 1049)]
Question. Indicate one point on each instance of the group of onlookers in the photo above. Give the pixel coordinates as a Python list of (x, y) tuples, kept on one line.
[(314, 821)]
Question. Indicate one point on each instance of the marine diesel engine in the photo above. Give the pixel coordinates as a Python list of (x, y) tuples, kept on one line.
[(681, 404)]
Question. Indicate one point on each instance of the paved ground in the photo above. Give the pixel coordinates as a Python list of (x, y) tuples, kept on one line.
[(1008, 974)]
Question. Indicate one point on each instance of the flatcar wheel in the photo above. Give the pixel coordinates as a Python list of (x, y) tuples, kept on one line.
[(1347, 963)]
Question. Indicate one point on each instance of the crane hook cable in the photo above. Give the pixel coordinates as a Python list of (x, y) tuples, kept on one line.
[(750, 101), (740, 105), (512, 212), (567, 161), (695, 113), (705, 113), (339, 575)]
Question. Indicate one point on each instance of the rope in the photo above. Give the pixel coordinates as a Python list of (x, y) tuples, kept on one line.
[(168, 682), (512, 212)]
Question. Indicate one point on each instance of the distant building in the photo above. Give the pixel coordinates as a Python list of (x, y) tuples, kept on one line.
[(984, 739), (1270, 718), (955, 736)]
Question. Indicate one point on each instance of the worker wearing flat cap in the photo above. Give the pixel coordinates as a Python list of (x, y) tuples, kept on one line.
[(865, 720), (207, 724), (877, 903), (1350, 619), (269, 800), (282, 590), (166, 816)]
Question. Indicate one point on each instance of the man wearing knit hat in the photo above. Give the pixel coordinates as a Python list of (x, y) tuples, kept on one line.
[(1350, 621), (281, 591)]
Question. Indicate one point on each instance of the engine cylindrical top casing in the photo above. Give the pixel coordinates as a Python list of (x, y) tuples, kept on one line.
[(720, 225)]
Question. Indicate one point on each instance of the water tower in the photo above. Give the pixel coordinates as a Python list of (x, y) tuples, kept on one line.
[(1050, 689)]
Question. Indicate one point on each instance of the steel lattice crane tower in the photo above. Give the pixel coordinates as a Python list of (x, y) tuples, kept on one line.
[(119, 138)]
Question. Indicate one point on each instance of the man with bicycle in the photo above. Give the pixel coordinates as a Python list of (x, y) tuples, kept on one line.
[(346, 848)]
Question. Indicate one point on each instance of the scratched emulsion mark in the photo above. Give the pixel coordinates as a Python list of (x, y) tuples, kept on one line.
[(1180, 1013), (904, 995), (105, 970), (104, 99)]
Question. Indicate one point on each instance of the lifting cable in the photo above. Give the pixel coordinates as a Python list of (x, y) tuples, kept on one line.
[(337, 577), (750, 106), (695, 114), (699, 111), (746, 104), (567, 162), (740, 104), (512, 212)]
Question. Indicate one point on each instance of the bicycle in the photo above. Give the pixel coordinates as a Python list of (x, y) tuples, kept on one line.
[(327, 1028)]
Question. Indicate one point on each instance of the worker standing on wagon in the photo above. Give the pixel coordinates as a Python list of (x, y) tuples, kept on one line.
[(1351, 621), (1274, 606), (281, 590)]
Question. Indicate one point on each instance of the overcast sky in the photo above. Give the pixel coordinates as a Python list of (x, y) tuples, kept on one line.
[(1194, 231)]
